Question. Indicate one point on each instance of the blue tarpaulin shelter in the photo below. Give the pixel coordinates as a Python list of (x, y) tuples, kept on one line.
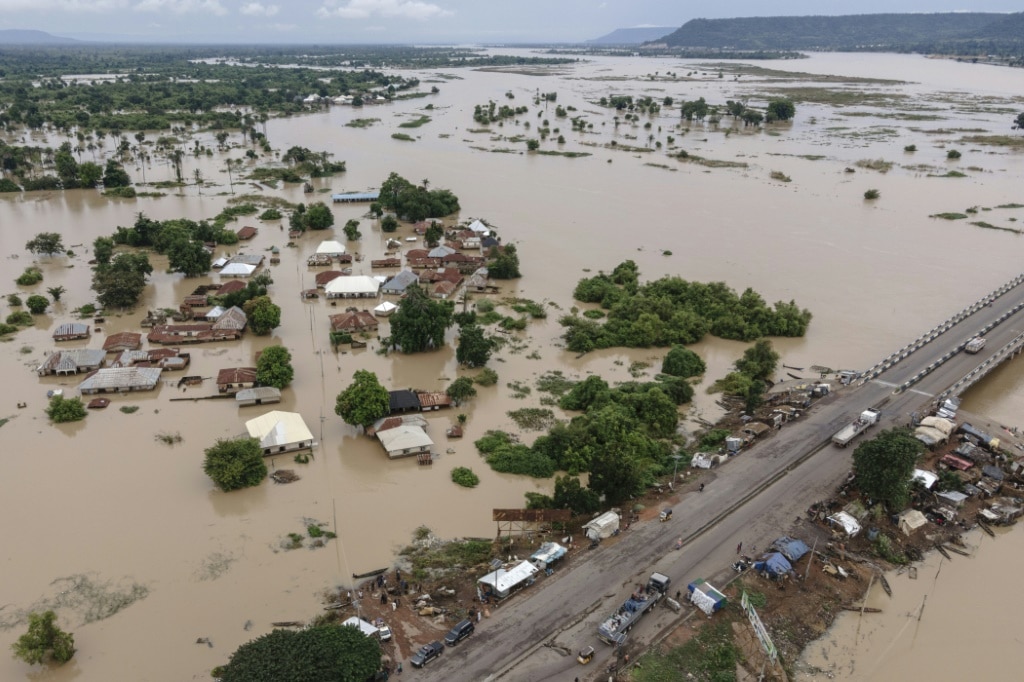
[(774, 565), (791, 548)]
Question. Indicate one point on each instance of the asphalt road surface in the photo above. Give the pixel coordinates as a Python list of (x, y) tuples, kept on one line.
[(752, 499)]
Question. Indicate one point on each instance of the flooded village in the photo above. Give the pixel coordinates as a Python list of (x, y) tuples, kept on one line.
[(161, 575)]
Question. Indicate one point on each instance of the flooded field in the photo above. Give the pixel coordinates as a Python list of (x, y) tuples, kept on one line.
[(102, 511)]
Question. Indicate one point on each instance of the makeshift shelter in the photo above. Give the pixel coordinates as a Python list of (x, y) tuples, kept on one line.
[(927, 478), (385, 309), (365, 627), (706, 597), (791, 548), (774, 565), (911, 520), (549, 553), (501, 583), (602, 527), (846, 522)]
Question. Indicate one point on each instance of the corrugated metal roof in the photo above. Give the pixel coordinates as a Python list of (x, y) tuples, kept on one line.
[(279, 428), (258, 393), (71, 329), (404, 437), (122, 378)]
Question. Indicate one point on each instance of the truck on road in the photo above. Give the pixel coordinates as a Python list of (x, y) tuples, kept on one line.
[(975, 345), (867, 418), (614, 629)]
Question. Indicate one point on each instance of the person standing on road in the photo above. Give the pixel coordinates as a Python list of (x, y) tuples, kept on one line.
[(701, 488), (739, 548)]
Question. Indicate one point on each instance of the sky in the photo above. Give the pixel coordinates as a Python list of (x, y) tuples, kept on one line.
[(411, 21)]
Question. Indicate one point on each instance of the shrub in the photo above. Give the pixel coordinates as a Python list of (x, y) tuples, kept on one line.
[(872, 194), (37, 304), (63, 409), (682, 362), (465, 477), (44, 640), (13, 300), (21, 318), (910, 148), (270, 214), (29, 277), (486, 377), (234, 464), (953, 154)]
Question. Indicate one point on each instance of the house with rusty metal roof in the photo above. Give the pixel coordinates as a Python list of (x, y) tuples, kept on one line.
[(122, 341), (74, 361), (121, 380), (444, 290), (233, 319), (230, 287), (70, 331), (247, 232), (322, 279), (433, 400), (353, 321), (234, 379)]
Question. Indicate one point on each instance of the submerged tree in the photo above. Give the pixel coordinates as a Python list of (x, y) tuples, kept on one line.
[(420, 322), (235, 464), (274, 368), (364, 401), (44, 640)]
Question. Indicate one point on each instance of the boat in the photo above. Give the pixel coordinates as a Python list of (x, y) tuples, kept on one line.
[(371, 574)]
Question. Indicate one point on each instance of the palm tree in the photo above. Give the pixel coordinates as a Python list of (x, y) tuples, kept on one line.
[(198, 175)]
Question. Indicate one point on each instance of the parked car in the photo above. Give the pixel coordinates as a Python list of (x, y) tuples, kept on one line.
[(461, 631), (384, 632), (426, 654)]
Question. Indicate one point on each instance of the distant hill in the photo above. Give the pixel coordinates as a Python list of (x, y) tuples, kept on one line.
[(889, 32), (633, 36), (16, 36)]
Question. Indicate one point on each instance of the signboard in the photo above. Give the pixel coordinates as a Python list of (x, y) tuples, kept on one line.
[(759, 630)]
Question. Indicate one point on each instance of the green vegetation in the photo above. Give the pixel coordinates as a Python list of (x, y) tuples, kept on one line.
[(420, 322), (990, 226), (486, 114), (953, 154), (461, 390), (682, 362), (364, 401), (949, 216), (271, 214), (465, 477), (20, 318), (872, 194), (507, 457), (910, 148), (31, 275), (44, 641), (321, 653), (711, 655), (474, 347), (37, 304), (532, 418), (46, 244), (274, 367), (235, 464), (415, 123), (264, 315), (129, 409), (415, 203), (404, 137), (486, 377), (673, 311), (780, 176), (884, 466), (503, 262), (753, 369), (362, 122), (61, 409), (120, 283)]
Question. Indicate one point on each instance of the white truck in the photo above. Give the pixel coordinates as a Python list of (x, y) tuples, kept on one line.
[(614, 629), (974, 345), (867, 418)]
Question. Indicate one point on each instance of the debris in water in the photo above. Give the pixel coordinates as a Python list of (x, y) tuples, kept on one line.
[(284, 476)]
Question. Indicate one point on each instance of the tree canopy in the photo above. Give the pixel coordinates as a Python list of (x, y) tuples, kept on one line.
[(44, 640), (503, 262), (420, 322), (61, 409), (322, 653), (319, 216), (461, 389), (364, 401), (884, 466), (416, 202), (274, 368), (680, 361), (474, 348), (235, 464), (120, 283), (46, 244), (780, 110), (264, 315), (759, 361), (37, 304), (671, 311)]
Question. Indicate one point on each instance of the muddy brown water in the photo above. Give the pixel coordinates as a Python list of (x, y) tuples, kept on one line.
[(102, 498)]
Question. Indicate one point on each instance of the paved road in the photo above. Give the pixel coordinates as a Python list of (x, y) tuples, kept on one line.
[(754, 498)]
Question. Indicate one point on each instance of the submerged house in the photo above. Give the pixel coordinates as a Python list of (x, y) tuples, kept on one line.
[(120, 341), (71, 331), (353, 321), (357, 286), (75, 361), (261, 395), (280, 432), (121, 380), (400, 282), (405, 440), (234, 379)]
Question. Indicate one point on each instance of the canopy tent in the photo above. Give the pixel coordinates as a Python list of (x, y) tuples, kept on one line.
[(501, 582), (549, 553), (705, 597), (366, 628), (791, 548), (911, 520), (385, 309), (927, 478)]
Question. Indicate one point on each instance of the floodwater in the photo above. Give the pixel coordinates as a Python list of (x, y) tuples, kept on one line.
[(103, 498)]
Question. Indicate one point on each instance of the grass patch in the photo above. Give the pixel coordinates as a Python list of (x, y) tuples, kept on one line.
[(710, 655), (780, 176), (528, 307), (168, 438), (403, 137), (990, 226), (532, 418), (880, 165), (130, 409), (1010, 206), (554, 383), (568, 155), (362, 122), (949, 174), (415, 123), (710, 163), (1014, 141), (486, 377), (949, 216), (519, 390)]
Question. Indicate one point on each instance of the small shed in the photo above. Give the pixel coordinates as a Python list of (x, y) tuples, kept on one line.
[(363, 626), (706, 597), (775, 565), (70, 331), (845, 522), (791, 548), (403, 401), (911, 520), (405, 440), (927, 478), (501, 583), (385, 309), (755, 429), (260, 395)]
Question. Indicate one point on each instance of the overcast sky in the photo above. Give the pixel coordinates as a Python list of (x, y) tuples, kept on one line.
[(414, 21)]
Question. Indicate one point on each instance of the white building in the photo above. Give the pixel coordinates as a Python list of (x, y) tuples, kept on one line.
[(280, 432), (357, 286)]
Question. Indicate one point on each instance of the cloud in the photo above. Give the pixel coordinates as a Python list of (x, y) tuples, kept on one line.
[(364, 9), (62, 5), (182, 6), (258, 9)]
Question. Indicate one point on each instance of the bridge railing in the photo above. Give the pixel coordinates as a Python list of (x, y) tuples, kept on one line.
[(1005, 353), (934, 333)]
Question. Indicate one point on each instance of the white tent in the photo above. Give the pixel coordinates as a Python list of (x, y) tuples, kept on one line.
[(385, 309), (366, 628), (603, 526), (911, 520), (478, 227), (502, 582)]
